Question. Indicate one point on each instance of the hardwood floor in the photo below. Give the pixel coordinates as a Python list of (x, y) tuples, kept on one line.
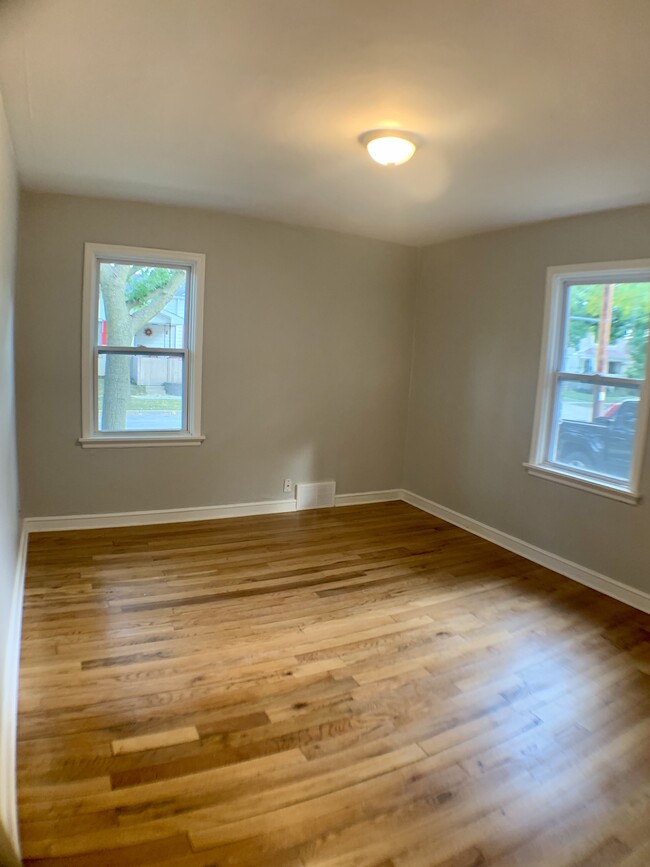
[(354, 686)]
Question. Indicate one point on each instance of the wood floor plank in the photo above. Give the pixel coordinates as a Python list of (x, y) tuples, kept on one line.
[(364, 686), (155, 740)]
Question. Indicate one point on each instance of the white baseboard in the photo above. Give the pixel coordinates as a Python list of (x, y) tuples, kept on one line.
[(193, 513), (159, 516), (609, 586), (9, 706), (367, 497)]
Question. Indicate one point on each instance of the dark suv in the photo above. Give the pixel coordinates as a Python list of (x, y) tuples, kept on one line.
[(601, 446)]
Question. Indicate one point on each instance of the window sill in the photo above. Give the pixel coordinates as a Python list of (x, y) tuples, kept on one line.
[(584, 483), (112, 442)]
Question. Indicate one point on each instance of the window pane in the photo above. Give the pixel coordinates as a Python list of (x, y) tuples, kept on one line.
[(594, 428), (140, 392), (141, 305), (607, 329)]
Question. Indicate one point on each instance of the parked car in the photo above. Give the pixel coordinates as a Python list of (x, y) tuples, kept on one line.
[(601, 446), (611, 412)]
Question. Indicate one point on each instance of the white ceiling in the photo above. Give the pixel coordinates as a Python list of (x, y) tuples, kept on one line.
[(529, 108)]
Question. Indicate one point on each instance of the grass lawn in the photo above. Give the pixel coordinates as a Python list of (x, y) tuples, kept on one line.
[(142, 402)]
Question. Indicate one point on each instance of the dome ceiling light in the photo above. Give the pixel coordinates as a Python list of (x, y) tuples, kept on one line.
[(389, 147)]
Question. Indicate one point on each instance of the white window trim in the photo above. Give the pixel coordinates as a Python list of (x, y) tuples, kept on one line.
[(191, 435), (600, 272)]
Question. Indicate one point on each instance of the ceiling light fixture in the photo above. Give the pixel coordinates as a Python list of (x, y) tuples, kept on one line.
[(390, 147)]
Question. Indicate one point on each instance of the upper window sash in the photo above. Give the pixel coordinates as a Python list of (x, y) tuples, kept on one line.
[(177, 266)]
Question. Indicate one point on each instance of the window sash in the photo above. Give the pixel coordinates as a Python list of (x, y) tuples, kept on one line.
[(553, 423), (140, 350), (144, 351), (189, 288), (610, 380)]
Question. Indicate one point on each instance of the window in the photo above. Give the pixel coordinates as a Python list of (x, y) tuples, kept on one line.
[(592, 400), (141, 364)]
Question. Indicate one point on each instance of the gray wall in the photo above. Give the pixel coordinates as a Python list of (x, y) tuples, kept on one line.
[(477, 342), (307, 339), (9, 505)]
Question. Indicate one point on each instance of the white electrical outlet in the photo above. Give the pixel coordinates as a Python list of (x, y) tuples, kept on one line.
[(288, 486)]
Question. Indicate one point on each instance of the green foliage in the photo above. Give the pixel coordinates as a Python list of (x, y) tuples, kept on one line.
[(630, 319), (142, 283)]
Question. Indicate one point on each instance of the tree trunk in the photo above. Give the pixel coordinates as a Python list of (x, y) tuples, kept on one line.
[(117, 390), (119, 332)]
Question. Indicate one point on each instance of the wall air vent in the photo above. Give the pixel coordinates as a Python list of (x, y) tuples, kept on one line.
[(315, 495)]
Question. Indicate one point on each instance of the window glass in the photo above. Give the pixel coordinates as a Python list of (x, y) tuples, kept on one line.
[(606, 329), (594, 428), (141, 305), (139, 392)]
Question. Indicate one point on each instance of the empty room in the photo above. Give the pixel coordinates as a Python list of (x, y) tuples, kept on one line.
[(324, 461)]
